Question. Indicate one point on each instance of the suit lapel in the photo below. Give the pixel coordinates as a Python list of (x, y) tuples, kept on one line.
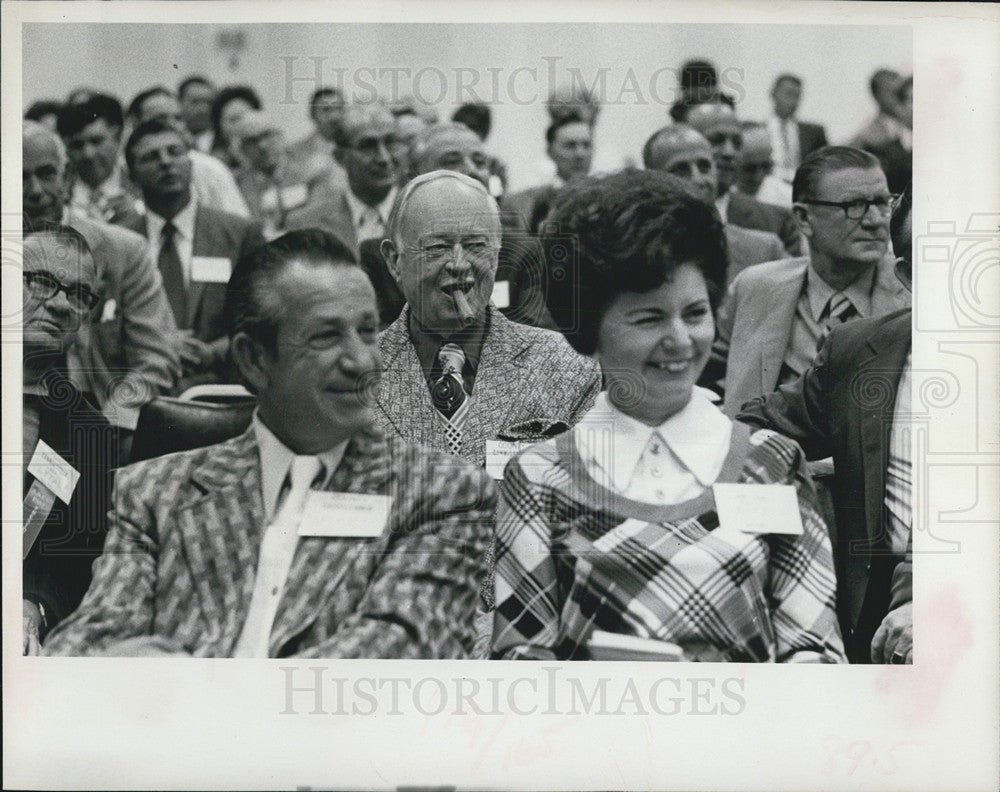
[(404, 400), (221, 529), (776, 325), (320, 564)]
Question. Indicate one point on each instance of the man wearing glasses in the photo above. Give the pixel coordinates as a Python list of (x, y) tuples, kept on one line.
[(776, 315), (365, 138), (69, 448)]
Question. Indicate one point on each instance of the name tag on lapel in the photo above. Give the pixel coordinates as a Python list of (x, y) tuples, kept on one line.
[(53, 471), (344, 514), (210, 269), (500, 452), (501, 294), (109, 311), (758, 508)]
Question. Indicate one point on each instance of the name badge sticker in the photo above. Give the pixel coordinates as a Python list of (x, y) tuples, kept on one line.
[(500, 452), (758, 508), (109, 311), (501, 294), (210, 269), (344, 514), (294, 196), (53, 471)]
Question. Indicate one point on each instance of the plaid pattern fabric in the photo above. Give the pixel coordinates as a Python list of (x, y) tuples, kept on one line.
[(185, 535), (525, 374), (571, 558)]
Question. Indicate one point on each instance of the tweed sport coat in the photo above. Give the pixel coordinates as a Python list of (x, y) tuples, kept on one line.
[(842, 407), (755, 325), (526, 375), (183, 543)]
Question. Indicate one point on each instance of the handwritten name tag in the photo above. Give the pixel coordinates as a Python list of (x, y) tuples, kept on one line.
[(758, 508), (344, 514), (53, 471), (501, 294), (500, 452), (210, 269)]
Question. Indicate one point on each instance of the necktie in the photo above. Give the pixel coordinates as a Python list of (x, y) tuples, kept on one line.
[(277, 549), (838, 310), (787, 161), (370, 225), (169, 262), (449, 396)]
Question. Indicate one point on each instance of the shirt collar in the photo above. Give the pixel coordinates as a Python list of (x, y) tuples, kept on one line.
[(183, 222), (359, 207), (698, 435), (722, 204), (858, 292), (276, 460)]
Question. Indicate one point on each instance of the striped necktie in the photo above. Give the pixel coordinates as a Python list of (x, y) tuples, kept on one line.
[(449, 396), (838, 310)]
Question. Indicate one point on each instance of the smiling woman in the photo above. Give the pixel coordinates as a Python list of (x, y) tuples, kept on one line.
[(656, 517)]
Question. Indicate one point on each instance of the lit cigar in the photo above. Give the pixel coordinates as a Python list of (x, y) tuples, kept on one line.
[(462, 307)]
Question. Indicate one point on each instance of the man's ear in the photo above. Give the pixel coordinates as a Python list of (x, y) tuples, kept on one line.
[(391, 256), (801, 214), (249, 358)]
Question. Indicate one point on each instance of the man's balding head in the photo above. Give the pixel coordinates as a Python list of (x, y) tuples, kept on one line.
[(683, 151), (756, 158), (718, 123), (44, 178), (450, 146)]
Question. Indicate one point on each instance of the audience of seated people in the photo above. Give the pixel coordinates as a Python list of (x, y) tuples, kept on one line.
[(415, 339)]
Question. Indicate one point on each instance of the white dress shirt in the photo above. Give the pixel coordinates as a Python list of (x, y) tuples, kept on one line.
[(898, 475), (279, 542), (183, 223), (369, 221), (722, 204), (664, 464), (784, 134)]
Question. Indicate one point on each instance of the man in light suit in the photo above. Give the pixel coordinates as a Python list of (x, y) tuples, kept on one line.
[(458, 374), (791, 139), (196, 246), (365, 138), (775, 315), (872, 483), (684, 152), (310, 535), (718, 123), (125, 356), (313, 154)]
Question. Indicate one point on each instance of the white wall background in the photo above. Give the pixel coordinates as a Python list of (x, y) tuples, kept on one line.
[(835, 63)]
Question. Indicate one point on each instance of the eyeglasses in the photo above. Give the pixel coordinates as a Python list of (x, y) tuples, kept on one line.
[(858, 208), (45, 287)]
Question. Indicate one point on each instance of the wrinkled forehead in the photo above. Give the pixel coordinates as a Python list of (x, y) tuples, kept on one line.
[(685, 149), (453, 141), (448, 208), (848, 183), (369, 121), (62, 258)]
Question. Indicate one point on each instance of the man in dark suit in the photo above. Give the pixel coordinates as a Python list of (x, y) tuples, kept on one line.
[(125, 356), (682, 151), (69, 448), (792, 140), (830, 411), (196, 245), (365, 138), (717, 122), (569, 144), (310, 535), (518, 289), (459, 375)]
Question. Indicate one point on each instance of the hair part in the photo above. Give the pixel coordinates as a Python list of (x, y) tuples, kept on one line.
[(827, 160)]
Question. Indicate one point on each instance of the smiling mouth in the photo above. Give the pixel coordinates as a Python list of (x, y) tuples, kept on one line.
[(671, 366), (451, 288)]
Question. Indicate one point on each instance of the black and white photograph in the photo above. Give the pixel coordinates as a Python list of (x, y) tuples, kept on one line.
[(354, 337)]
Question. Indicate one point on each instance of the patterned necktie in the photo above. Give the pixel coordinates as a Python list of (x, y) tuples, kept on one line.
[(169, 262), (449, 396), (277, 549), (787, 161), (838, 310)]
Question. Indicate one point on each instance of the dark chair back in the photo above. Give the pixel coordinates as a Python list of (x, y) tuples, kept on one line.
[(167, 425)]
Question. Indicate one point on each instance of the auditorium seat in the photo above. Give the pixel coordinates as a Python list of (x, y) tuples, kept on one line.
[(168, 424)]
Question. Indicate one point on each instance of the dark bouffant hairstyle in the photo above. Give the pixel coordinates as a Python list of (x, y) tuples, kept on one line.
[(626, 232)]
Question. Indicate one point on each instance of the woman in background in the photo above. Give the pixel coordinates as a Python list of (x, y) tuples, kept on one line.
[(614, 525)]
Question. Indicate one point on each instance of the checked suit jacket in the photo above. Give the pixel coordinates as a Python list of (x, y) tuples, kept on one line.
[(528, 381), (184, 537)]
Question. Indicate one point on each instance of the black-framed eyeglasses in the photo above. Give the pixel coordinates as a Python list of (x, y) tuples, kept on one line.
[(858, 208), (45, 287)]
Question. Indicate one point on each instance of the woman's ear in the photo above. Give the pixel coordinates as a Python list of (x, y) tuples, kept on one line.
[(248, 355)]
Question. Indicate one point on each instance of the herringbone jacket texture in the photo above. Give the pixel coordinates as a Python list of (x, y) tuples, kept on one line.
[(185, 533), (528, 380)]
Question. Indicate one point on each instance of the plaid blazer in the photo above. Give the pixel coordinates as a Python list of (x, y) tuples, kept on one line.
[(528, 380), (181, 556), (572, 557)]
